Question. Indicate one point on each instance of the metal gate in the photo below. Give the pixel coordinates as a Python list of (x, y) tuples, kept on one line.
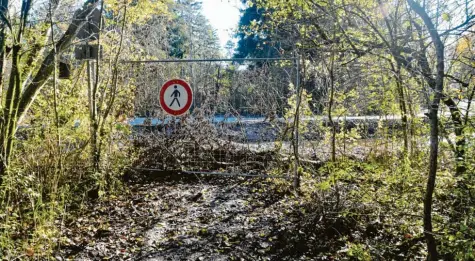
[(243, 121)]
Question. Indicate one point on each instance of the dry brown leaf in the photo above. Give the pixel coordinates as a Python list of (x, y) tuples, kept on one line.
[(30, 252)]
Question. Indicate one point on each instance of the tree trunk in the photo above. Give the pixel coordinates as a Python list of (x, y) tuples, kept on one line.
[(46, 68), (18, 100), (295, 133), (434, 130), (393, 31), (10, 110), (455, 114), (92, 118), (402, 107), (330, 108)]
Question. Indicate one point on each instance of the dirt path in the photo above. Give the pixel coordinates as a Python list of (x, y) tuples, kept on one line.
[(212, 219)]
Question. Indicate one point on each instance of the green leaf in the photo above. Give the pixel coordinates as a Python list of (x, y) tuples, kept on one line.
[(445, 17)]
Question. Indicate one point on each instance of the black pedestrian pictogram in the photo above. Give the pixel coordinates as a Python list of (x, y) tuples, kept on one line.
[(176, 93)]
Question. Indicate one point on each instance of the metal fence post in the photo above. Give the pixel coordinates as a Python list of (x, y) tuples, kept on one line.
[(296, 183)]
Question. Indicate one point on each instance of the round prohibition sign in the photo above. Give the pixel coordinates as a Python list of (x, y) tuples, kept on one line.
[(176, 97)]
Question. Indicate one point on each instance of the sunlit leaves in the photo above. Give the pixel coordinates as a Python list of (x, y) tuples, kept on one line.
[(464, 44), (138, 12)]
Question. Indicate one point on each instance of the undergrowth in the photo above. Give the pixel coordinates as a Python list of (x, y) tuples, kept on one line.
[(44, 186)]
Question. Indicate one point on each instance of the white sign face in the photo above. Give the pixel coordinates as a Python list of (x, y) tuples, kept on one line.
[(176, 97)]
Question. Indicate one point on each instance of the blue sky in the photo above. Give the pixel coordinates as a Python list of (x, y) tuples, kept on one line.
[(223, 16)]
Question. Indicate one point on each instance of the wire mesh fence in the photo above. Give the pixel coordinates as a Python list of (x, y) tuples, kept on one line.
[(241, 120)]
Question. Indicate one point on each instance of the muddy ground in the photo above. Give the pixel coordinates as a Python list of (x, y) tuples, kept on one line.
[(201, 218)]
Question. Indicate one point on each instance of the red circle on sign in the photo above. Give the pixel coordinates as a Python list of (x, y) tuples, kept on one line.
[(189, 101)]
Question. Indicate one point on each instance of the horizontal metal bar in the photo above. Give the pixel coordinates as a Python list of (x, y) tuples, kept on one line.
[(209, 60), (235, 174), (215, 173)]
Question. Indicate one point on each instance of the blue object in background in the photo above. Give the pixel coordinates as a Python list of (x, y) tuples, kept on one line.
[(139, 121)]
